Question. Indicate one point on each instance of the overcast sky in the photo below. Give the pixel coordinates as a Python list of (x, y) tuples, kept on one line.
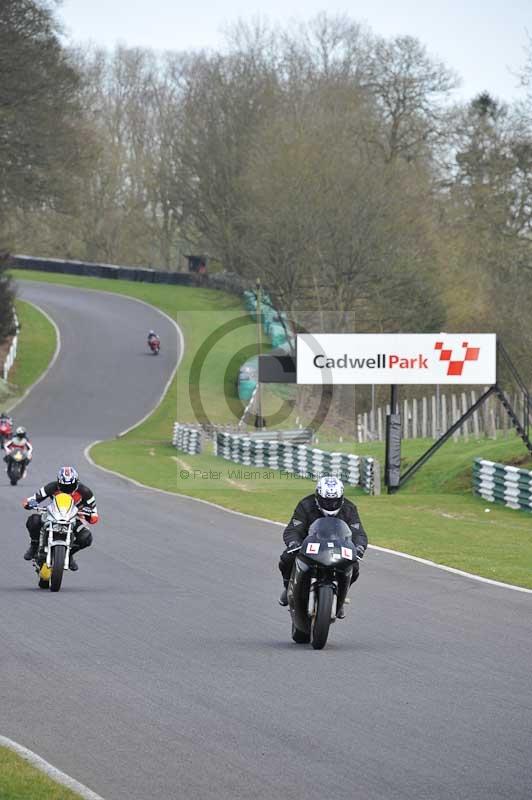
[(483, 40)]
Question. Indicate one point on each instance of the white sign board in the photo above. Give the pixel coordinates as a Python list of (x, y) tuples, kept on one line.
[(439, 358)]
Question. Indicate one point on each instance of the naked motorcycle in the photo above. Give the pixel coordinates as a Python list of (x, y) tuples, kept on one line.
[(17, 461), (56, 539)]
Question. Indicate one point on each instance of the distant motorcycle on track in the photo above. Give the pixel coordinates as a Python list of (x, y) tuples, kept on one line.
[(6, 429), (17, 463), (154, 343), (56, 540), (320, 580)]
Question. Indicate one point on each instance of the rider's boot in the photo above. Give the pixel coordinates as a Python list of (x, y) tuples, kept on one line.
[(283, 600), (72, 563), (31, 552)]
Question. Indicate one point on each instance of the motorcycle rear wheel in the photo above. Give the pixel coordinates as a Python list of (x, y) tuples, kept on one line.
[(322, 621), (58, 565), (300, 637)]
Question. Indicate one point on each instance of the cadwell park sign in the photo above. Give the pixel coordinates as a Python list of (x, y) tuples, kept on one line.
[(384, 358)]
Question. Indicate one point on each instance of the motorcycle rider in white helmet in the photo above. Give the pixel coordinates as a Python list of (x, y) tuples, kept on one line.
[(327, 500), (19, 442)]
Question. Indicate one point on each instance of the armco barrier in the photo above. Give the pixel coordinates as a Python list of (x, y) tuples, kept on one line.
[(107, 271), (187, 438), (499, 483), (299, 459)]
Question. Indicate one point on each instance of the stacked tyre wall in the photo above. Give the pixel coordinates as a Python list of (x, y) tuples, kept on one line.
[(299, 459), (503, 484)]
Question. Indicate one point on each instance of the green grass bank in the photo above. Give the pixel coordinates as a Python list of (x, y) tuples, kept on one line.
[(36, 347), (20, 781), (435, 516)]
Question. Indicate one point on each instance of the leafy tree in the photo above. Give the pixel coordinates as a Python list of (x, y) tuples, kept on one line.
[(7, 327), (39, 143)]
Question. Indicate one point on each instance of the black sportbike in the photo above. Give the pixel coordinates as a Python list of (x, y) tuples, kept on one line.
[(320, 579)]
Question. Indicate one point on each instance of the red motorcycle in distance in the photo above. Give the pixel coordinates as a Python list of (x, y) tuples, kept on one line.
[(154, 343), (6, 429)]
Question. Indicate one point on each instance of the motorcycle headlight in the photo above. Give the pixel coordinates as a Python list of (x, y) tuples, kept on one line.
[(58, 528)]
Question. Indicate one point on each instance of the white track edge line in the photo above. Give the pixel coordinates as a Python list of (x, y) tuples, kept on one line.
[(181, 340), (453, 570), (49, 770), (52, 362), (378, 548), (135, 300), (87, 456)]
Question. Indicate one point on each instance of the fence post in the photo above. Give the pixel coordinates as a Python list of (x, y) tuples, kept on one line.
[(466, 423), (424, 419), (491, 419), (476, 422), (443, 417), (405, 419), (455, 415)]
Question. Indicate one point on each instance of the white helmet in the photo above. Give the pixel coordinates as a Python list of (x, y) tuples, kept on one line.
[(329, 495)]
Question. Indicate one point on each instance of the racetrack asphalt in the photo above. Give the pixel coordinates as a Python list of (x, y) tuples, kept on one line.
[(164, 668)]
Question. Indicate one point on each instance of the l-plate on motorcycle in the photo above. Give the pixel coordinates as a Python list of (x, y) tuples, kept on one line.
[(320, 580)]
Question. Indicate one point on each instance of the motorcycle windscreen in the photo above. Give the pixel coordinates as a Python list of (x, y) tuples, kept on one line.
[(329, 529)]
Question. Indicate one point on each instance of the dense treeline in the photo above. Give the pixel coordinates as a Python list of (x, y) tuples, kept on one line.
[(331, 162), (42, 144)]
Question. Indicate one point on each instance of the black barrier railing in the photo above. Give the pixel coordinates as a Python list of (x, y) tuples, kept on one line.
[(90, 269)]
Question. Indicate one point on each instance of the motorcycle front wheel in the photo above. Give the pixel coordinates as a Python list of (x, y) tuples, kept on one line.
[(58, 565), (14, 475), (322, 620)]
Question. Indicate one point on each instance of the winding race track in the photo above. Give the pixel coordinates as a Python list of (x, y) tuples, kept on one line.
[(164, 668)]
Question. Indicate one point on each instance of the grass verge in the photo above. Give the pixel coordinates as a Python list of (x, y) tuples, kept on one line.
[(435, 516), (36, 347), (198, 312), (20, 781), (441, 521)]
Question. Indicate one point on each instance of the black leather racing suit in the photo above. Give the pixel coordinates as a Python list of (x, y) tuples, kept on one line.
[(307, 511)]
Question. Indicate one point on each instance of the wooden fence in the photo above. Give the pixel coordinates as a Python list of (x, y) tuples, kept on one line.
[(430, 416)]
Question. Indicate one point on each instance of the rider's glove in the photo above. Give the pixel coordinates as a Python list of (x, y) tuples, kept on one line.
[(28, 504), (293, 547), (360, 551)]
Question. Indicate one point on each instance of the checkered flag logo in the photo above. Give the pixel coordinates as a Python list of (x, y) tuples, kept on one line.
[(456, 366)]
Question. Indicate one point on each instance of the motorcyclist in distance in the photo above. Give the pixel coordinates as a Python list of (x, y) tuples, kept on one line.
[(68, 482), (20, 442), (6, 424), (6, 427), (327, 500)]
